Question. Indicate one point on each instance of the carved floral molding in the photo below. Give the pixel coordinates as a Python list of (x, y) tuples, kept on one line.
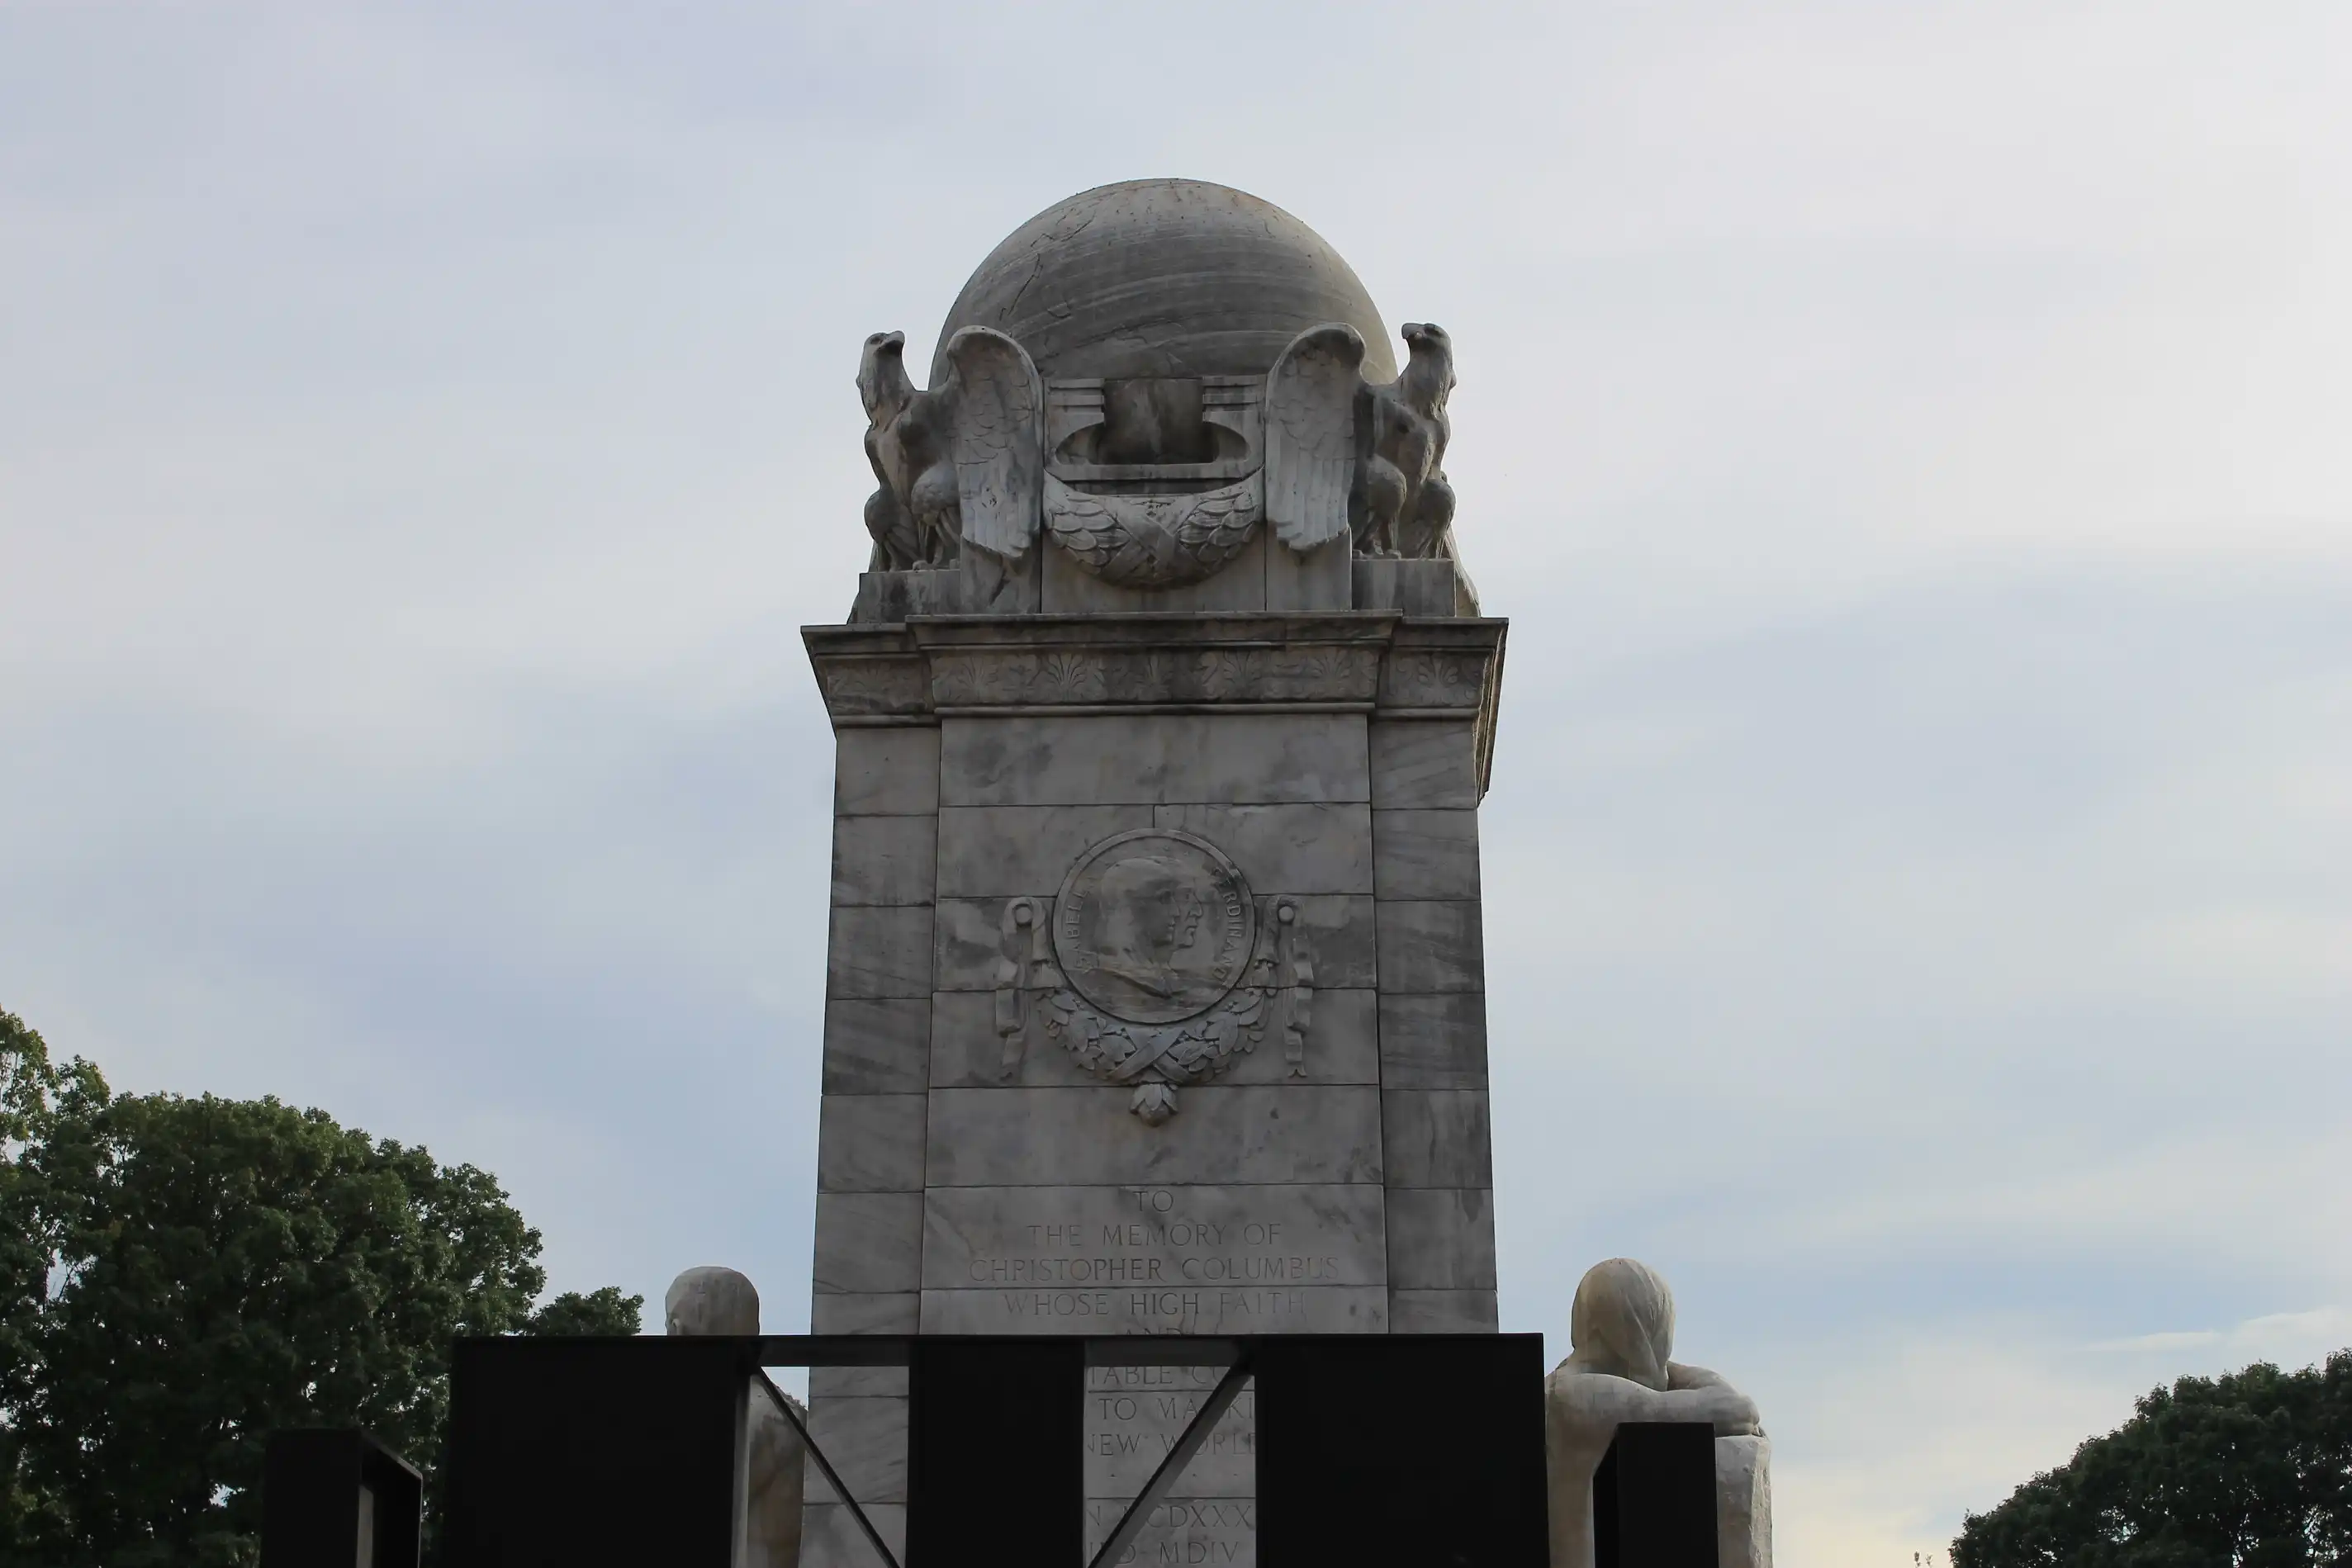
[(1367, 659)]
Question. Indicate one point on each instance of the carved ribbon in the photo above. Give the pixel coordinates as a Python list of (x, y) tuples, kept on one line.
[(1154, 1059), (1295, 980), (1024, 965)]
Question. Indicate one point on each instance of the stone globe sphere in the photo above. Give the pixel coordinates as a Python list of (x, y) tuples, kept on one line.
[(1163, 278)]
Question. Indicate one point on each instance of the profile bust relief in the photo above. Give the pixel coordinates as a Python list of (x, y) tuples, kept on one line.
[(1154, 927), (1150, 919), (1153, 969)]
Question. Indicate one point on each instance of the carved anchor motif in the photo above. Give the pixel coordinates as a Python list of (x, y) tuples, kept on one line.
[(1276, 993)]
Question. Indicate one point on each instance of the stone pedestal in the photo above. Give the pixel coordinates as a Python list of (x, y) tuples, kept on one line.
[(1289, 806)]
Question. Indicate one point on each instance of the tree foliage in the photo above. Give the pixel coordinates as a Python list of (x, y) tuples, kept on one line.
[(2248, 1471), (181, 1275)]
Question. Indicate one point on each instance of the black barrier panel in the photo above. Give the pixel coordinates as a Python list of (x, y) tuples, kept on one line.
[(335, 1498), (579, 1453), (996, 1453), (1654, 1497), (1423, 1450)]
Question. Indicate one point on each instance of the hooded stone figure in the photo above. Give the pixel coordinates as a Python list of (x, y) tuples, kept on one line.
[(1621, 1326), (721, 1301)]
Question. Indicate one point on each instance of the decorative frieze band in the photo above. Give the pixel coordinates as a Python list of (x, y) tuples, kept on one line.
[(1371, 660)]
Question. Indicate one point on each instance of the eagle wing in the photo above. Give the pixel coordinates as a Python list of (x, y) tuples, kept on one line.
[(998, 439), (1310, 435)]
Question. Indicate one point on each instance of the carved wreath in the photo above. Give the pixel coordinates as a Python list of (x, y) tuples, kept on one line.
[(1277, 994)]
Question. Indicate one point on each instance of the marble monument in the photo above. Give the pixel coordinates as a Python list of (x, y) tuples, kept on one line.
[(1155, 987), (1621, 1326)]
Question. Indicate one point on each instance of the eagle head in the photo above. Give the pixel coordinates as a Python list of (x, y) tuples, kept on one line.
[(1430, 365), (882, 383)]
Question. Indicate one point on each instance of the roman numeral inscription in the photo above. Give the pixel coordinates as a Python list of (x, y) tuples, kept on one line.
[(1134, 1415)]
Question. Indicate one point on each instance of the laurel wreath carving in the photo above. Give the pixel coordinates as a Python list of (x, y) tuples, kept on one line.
[(1032, 996)]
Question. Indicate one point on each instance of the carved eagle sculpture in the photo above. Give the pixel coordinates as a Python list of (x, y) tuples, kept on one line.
[(963, 462), (1343, 453)]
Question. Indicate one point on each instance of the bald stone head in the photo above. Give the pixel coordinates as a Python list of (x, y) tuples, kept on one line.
[(711, 1301), (1622, 1323)]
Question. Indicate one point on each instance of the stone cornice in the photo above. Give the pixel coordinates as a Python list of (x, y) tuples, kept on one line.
[(1371, 661)]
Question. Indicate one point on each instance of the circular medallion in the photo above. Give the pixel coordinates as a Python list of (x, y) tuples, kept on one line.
[(1152, 926)]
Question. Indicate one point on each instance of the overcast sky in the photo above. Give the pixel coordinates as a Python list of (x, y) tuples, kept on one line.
[(1913, 442)]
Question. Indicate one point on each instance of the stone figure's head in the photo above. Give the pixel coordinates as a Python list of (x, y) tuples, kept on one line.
[(1623, 1322), (1151, 910), (711, 1301)]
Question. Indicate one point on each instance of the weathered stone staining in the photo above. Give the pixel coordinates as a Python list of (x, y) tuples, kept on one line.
[(1623, 1326), (1155, 993)]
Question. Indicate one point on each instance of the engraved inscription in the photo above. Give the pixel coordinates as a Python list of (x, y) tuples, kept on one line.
[(1134, 1415), (1153, 1259)]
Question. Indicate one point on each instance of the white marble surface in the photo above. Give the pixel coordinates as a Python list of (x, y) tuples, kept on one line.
[(885, 771), (870, 1142), (884, 860), (877, 1045), (864, 1311), (1296, 849), (1743, 1489), (1436, 1137), (1155, 760), (1085, 1137), (1431, 945), (1138, 1310), (1621, 1369), (879, 952), (945, 1176), (868, 1243), (1158, 1260), (967, 1052), (1003, 852), (1435, 1042), (865, 1440), (1425, 764), (1425, 854), (1441, 1239), (1442, 1312)]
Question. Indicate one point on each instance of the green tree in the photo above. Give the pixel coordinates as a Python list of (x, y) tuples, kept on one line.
[(2248, 1471), (183, 1275)]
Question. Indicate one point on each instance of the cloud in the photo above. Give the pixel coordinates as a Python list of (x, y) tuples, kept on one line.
[(1908, 441)]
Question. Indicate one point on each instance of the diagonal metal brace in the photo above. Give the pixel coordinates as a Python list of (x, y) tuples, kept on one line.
[(833, 1477), (1130, 1523)]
